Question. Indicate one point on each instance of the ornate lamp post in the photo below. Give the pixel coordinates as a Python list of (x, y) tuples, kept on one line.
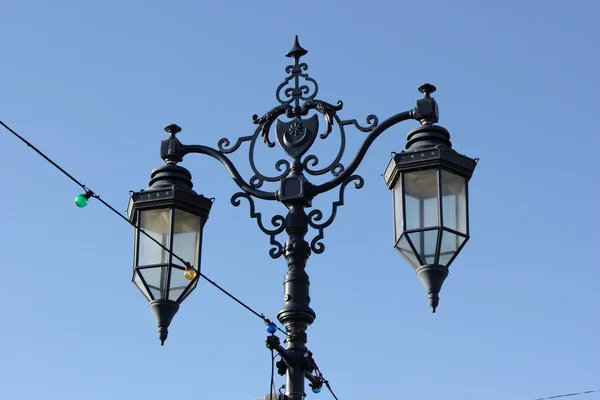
[(428, 179)]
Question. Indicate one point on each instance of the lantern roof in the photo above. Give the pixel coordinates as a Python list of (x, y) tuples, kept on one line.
[(428, 157), (170, 185)]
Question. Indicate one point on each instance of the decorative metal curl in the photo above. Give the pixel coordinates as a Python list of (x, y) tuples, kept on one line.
[(258, 179), (327, 110), (277, 221), (297, 92), (372, 122), (224, 143), (315, 216), (299, 101), (336, 167), (264, 123)]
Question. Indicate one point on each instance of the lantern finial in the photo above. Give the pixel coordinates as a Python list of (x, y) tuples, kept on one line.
[(163, 311), (432, 276)]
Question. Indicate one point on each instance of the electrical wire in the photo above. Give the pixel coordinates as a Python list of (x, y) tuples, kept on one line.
[(568, 395), (187, 264), (325, 381), (91, 193), (272, 383), (106, 204)]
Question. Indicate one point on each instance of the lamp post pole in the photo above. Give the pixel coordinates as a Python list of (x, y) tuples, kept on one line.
[(297, 100)]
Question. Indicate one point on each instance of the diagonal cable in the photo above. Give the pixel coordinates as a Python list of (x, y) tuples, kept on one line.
[(110, 207), (568, 395), (123, 217)]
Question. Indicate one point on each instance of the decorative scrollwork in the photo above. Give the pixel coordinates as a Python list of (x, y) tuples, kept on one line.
[(327, 110), (372, 122), (296, 92), (297, 135), (224, 142), (315, 216), (336, 167), (264, 123), (277, 221), (258, 179)]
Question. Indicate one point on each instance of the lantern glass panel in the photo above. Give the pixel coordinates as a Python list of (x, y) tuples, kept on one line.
[(178, 283), (187, 229), (157, 224), (407, 252), (138, 282), (190, 289), (398, 211), (421, 199), (450, 245), (156, 279), (454, 201), (425, 244)]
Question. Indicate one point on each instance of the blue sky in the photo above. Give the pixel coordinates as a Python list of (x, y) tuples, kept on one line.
[(92, 84)]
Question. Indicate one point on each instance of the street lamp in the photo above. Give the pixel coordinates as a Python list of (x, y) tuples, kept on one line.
[(428, 180), (429, 183), (170, 217)]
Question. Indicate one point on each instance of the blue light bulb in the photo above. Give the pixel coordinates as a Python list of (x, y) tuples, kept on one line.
[(272, 328), (317, 390)]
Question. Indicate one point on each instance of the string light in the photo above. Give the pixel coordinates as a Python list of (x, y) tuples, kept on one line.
[(272, 328), (190, 273), (82, 200)]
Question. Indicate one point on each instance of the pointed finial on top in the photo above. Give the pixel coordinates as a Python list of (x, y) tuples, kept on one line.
[(297, 51)]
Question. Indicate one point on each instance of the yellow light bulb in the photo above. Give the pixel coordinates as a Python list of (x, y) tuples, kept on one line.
[(190, 274)]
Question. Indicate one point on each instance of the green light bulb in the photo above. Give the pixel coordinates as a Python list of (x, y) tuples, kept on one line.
[(81, 200)]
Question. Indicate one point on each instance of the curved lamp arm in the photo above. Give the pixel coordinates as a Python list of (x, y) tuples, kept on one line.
[(393, 120), (237, 178)]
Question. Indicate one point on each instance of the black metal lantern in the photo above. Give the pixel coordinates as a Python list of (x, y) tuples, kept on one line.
[(429, 184), (173, 214)]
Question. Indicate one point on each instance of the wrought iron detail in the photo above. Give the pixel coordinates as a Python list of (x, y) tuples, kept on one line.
[(277, 221), (315, 216), (264, 123), (296, 137), (224, 143), (296, 92), (327, 110), (336, 167), (372, 122), (258, 179), (295, 133)]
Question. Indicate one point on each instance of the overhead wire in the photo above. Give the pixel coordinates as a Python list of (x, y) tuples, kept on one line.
[(325, 381), (272, 382), (568, 395), (91, 193), (114, 210)]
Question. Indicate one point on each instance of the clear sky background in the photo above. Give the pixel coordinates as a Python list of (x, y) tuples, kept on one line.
[(93, 84)]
